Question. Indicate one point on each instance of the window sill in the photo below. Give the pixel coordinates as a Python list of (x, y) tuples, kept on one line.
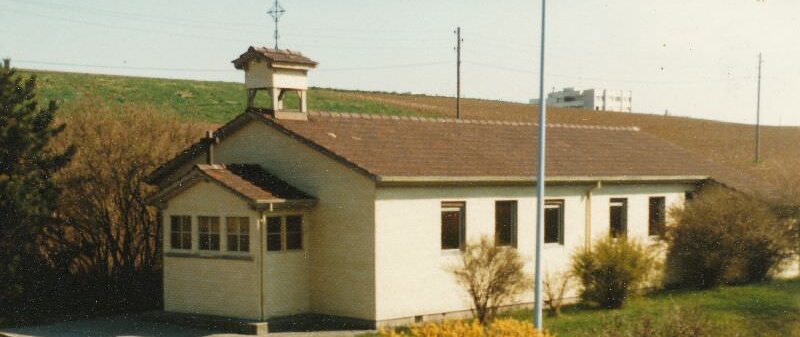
[(204, 255), (281, 252), (451, 251)]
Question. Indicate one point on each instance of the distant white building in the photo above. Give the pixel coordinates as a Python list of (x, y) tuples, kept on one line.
[(594, 99)]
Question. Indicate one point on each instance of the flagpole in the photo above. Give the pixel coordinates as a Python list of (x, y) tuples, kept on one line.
[(537, 310)]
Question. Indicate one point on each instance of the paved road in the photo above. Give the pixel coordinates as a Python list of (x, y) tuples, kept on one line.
[(132, 326)]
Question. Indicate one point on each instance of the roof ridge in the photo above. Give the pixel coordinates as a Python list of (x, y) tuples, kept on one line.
[(466, 121)]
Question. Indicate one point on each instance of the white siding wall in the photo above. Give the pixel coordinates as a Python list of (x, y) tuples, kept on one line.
[(412, 277), (257, 75), (286, 276), (260, 75), (340, 234), (204, 282)]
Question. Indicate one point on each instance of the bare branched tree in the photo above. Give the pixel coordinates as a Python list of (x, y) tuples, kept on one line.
[(110, 233), (554, 286), (491, 275)]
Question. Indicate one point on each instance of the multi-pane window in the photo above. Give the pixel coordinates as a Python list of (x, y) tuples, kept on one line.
[(238, 229), (657, 220), (453, 225), (505, 223), (209, 232), (180, 234), (618, 217), (274, 235), (294, 232), (284, 233), (554, 221)]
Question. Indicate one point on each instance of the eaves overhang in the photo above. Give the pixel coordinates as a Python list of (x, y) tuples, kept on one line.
[(388, 181)]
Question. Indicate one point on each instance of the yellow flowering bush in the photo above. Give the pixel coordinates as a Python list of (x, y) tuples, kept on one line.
[(499, 328)]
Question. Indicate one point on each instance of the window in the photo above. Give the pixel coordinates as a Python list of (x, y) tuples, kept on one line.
[(274, 237), (209, 232), (554, 221), (238, 229), (284, 233), (505, 223), (453, 226), (657, 220), (618, 211), (180, 233), (294, 232)]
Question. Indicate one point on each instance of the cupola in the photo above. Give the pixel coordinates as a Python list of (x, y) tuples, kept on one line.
[(276, 71)]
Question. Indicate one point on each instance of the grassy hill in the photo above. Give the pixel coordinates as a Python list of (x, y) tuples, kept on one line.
[(726, 143)]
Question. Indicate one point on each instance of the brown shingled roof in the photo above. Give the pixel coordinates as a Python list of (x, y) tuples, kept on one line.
[(274, 55), (392, 146), (252, 182), (404, 147), (415, 148)]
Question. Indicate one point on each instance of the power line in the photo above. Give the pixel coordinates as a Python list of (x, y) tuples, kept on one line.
[(120, 67), (52, 17), (220, 25), (518, 70), (378, 67)]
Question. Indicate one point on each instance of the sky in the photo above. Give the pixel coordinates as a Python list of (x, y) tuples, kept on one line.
[(690, 58)]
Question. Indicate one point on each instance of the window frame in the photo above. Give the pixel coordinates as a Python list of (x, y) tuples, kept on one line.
[(561, 205), (181, 232), (623, 232), (238, 235), (660, 218), (284, 233), (513, 225), (212, 234), (268, 233), (451, 206)]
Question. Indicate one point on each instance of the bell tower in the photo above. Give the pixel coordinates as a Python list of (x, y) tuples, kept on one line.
[(278, 72)]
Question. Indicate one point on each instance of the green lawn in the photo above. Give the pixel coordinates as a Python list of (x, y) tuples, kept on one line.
[(761, 310), (215, 102)]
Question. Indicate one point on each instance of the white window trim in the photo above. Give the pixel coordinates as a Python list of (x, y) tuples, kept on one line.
[(303, 233), (562, 204), (224, 230), (169, 232), (195, 250), (462, 236)]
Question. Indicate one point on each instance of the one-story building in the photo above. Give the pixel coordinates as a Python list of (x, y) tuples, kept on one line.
[(359, 216)]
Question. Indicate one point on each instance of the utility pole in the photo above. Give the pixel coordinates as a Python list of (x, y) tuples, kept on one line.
[(276, 12), (458, 71), (758, 113), (537, 308)]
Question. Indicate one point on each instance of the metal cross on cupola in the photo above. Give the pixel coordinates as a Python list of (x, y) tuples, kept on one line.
[(276, 12)]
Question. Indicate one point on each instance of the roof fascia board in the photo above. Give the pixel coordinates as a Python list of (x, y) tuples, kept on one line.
[(290, 65), (196, 175), (186, 156), (190, 179), (523, 180)]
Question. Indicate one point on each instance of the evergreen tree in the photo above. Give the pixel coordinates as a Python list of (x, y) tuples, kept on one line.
[(28, 195)]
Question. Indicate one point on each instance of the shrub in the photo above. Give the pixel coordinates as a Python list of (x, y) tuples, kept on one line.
[(726, 237), (500, 328), (555, 285), (611, 269), (491, 275)]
